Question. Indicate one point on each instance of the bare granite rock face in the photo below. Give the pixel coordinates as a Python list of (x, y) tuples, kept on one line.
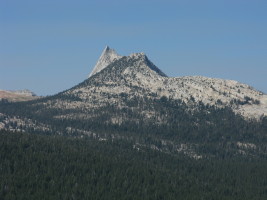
[(107, 57), (18, 95)]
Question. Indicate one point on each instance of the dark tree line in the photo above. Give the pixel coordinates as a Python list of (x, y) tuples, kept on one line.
[(36, 166)]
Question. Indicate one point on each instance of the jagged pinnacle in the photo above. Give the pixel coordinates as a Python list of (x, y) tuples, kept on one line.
[(107, 57)]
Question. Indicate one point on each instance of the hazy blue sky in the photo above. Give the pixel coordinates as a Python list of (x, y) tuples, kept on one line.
[(50, 45)]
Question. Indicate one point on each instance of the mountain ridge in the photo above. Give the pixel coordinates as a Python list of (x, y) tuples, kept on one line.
[(242, 98), (130, 99), (136, 76)]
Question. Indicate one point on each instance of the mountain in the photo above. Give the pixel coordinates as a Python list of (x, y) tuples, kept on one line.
[(15, 96), (129, 131), (129, 98), (136, 71)]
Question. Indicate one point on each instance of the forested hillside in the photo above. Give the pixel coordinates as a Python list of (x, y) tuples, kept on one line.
[(171, 127), (36, 166)]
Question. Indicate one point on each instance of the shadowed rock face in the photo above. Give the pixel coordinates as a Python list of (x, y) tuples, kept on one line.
[(109, 56)]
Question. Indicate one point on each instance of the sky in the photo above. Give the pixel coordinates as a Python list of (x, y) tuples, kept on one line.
[(49, 46)]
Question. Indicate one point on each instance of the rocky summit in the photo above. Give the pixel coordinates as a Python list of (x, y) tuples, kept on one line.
[(136, 76), (107, 57)]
